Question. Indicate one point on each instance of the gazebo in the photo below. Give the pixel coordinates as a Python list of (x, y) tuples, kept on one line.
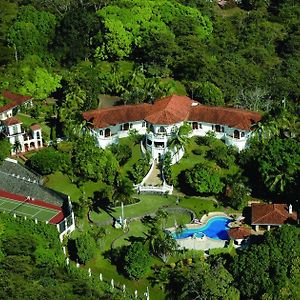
[(239, 234)]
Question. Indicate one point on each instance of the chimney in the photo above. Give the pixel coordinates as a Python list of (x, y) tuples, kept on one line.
[(290, 209)]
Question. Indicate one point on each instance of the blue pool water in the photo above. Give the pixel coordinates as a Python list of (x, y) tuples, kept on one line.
[(216, 228)]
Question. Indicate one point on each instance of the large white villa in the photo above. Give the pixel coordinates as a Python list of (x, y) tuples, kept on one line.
[(159, 121), (11, 127)]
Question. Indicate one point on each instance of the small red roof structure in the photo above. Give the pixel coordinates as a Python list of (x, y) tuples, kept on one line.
[(271, 214), (35, 127), (15, 100), (238, 233), (11, 121), (171, 110)]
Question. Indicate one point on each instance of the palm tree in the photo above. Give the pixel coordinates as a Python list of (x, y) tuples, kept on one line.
[(17, 148), (266, 129), (180, 139), (278, 182)]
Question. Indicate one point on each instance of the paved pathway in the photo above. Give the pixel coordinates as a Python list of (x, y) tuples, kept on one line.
[(155, 176)]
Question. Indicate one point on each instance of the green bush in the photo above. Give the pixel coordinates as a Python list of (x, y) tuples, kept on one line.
[(47, 161), (137, 260), (85, 247)]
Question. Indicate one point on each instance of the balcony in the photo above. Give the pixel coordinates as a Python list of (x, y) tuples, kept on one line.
[(158, 137)]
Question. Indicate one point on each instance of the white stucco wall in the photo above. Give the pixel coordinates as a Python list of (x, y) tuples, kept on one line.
[(153, 133), (6, 114)]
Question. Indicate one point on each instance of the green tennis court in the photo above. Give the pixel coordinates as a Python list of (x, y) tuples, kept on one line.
[(26, 209)]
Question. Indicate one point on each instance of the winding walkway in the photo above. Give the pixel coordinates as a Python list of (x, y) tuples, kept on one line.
[(155, 177)]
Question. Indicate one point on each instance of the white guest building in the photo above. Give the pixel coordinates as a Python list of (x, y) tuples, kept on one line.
[(159, 121), (11, 127)]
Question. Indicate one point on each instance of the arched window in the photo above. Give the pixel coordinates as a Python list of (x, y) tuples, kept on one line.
[(126, 126), (195, 125), (152, 128), (101, 132), (38, 135), (236, 134), (107, 132), (162, 129), (218, 128)]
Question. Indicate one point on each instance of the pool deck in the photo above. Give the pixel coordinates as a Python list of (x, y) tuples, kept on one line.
[(200, 243)]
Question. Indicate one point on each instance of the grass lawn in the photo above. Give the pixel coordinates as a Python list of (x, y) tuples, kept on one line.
[(148, 204), (101, 264), (61, 183), (136, 155), (177, 218), (189, 159)]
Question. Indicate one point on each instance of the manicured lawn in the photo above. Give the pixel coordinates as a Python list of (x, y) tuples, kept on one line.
[(198, 204), (177, 218), (61, 183), (148, 204)]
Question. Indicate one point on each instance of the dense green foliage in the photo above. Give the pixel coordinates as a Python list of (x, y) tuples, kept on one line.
[(204, 179), (47, 161), (5, 148), (140, 50), (85, 247), (136, 260), (91, 162), (274, 155), (270, 268), (32, 265), (244, 57)]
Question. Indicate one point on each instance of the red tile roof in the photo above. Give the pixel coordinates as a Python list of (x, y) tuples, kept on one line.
[(35, 127), (110, 116), (239, 232), (171, 110), (15, 100), (232, 117), (271, 214), (11, 121)]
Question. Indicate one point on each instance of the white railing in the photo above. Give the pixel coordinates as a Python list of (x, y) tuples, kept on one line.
[(155, 189)]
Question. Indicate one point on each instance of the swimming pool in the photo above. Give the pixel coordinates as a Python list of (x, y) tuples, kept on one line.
[(215, 228)]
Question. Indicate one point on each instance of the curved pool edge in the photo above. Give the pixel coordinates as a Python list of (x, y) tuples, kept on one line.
[(202, 224), (205, 218)]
